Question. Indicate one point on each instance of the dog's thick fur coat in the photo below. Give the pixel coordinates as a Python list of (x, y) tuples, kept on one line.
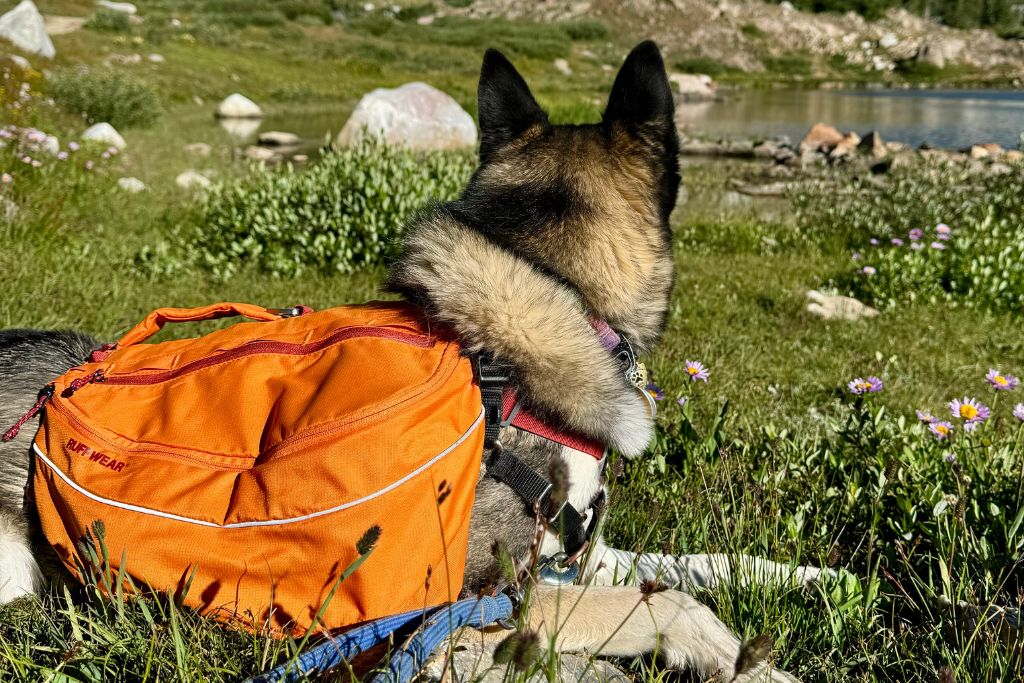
[(558, 225)]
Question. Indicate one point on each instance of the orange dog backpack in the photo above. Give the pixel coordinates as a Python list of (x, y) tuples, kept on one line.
[(249, 463)]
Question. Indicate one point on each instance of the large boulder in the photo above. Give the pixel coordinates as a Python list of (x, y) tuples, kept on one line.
[(279, 138), (24, 27), (104, 133), (414, 115), (821, 137), (694, 87), (238, 106), (874, 145)]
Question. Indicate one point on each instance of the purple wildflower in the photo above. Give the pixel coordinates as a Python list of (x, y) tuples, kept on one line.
[(112, 151), (696, 370), (943, 231), (855, 256), (683, 400), (926, 417), (36, 163), (1000, 381), (862, 385), (916, 234), (62, 156), (655, 391), (88, 164), (873, 242), (868, 270), (970, 410), (941, 429), (26, 159), (897, 242), (73, 146), (938, 245), (6, 179), (916, 246), (1018, 411)]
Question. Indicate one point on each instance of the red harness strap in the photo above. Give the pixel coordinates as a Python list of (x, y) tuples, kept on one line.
[(522, 419)]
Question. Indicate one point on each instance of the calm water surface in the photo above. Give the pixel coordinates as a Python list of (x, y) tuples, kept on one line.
[(944, 118)]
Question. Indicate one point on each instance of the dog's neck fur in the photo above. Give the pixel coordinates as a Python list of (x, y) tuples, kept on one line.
[(497, 301)]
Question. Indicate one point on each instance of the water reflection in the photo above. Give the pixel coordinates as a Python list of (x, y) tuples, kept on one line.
[(948, 119), (240, 130)]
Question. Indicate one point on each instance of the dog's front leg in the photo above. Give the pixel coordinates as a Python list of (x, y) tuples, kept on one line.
[(623, 622), (609, 566)]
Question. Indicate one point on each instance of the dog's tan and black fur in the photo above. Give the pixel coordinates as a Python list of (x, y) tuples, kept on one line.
[(558, 225)]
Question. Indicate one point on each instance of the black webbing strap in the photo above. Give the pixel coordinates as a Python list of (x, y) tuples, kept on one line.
[(536, 490), (492, 378)]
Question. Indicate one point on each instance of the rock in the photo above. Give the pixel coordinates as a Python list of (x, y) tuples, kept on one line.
[(787, 6), (58, 25), (125, 7), (190, 179), (104, 133), (51, 144), (254, 153), (694, 87), (8, 209), (414, 115), (845, 147), (821, 137), (986, 151), (238, 106), (123, 60), (156, 58), (24, 27), (473, 660), (1013, 156), (837, 307), (131, 185), (775, 189), (889, 40), (277, 138), (20, 62), (999, 169), (993, 149), (896, 147), (766, 150), (200, 149), (425, 20), (562, 66), (300, 158), (874, 146), (931, 54)]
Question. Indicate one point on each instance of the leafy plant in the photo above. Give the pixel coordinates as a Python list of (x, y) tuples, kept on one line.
[(586, 29), (110, 21), (343, 213), (107, 95)]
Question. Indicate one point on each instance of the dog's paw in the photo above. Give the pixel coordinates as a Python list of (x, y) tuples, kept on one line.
[(632, 427)]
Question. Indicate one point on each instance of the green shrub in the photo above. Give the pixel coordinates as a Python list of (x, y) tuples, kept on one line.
[(701, 65), (294, 9), (110, 21), (242, 13), (751, 30), (111, 96), (980, 264), (911, 68), (789, 65), (342, 213), (585, 29)]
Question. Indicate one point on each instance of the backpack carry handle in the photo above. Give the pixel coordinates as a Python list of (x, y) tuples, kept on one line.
[(156, 320)]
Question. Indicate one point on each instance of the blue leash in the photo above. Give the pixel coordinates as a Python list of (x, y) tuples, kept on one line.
[(475, 612)]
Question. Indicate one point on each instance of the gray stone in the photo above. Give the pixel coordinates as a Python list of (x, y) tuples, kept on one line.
[(24, 27), (156, 58), (200, 149), (189, 180), (889, 40), (254, 153), (277, 138), (414, 115), (124, 7), (238, 106), (562, 66), (104, 133), (874, 146), (20, 62), (694, 87), (131, 185), (833, 307)]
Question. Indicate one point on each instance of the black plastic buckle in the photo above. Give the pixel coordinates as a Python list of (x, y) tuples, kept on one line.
[(490, 373)]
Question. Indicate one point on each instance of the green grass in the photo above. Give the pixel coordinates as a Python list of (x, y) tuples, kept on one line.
[(796, 472)]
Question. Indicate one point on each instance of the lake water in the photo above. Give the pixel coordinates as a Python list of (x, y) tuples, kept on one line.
[(944, 118)]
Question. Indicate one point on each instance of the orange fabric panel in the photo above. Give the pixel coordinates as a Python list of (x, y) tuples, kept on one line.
[(261, 453)]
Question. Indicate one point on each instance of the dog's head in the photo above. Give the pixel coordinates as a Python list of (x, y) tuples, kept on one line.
[(589, 204)]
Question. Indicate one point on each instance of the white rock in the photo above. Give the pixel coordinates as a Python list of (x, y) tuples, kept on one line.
[(694, 87), (279, 138), (563, 67), (51, 144), (200, 149), (20, 62), (260, 153), (24, 27), (414, 115), (425, 20), (838, 307), (8, 209), (104, 133), (238, 106), (126, 7), (131, 185), (190, 179), (156, 58), (786, 6), (888, 40)]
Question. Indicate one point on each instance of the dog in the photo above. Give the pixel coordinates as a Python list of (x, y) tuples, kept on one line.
[(559, 226)]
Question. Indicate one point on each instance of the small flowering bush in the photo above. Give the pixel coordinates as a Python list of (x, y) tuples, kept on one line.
[(342, 213), (107, 95), (936, 233)]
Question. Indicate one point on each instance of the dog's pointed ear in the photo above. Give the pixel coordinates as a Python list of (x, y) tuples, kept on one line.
[(506, 107), (641, 94)]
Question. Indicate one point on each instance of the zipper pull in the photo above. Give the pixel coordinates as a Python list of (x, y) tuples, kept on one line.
[(76, 384), (44, 396)]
